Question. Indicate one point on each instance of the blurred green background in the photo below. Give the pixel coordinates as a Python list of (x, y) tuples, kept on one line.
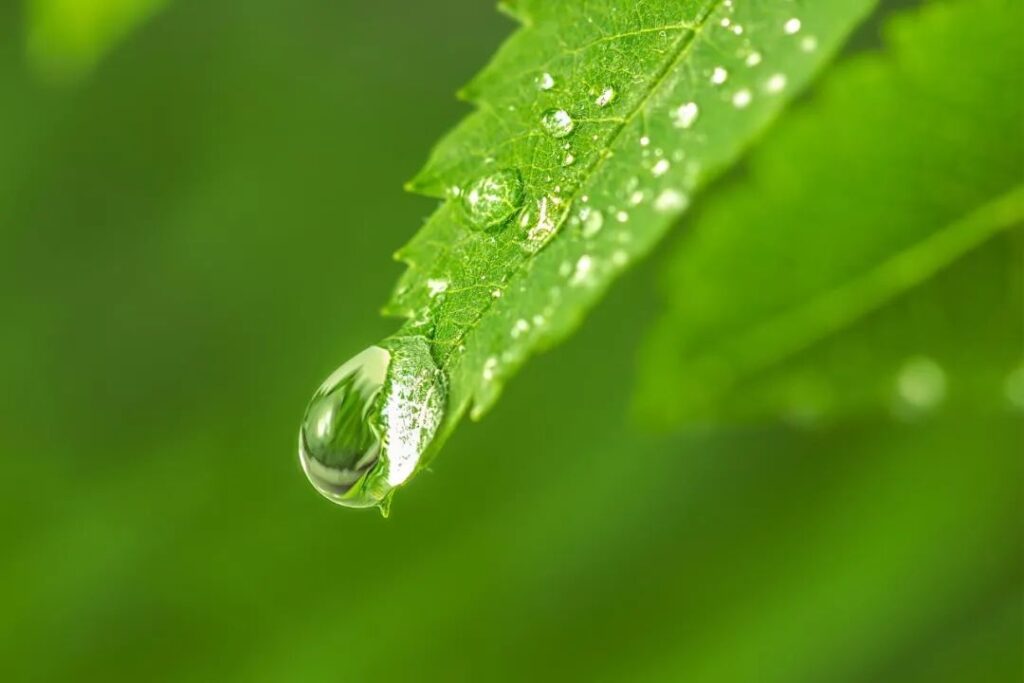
[(198, 227)]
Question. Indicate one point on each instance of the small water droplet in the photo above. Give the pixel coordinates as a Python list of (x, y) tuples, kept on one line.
[(741, 98), (776, 83), (753, 59), (545, 81), (490, 369), (685, 114), (592, 222), (670, 200), (542, 222), (621, 216), (367, 425), (660, 168), (607, 96), (436, 287), (719, 75), (644, 141), (582, 270), (493, 199), (921, 384), (809, 44), (792, 26), (569, 160), (557, 123)]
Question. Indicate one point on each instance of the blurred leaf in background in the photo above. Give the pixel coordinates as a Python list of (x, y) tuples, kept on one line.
[(845, 271), (66, 38), (194, 235)]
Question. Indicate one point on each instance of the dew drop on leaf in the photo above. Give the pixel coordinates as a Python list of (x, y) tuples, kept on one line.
[(660, 168), (741, 98), (670, 200), (607, 96), (557, 123), (368, 424), (493, 199), (685, 114), (545, 81), (776, 83)]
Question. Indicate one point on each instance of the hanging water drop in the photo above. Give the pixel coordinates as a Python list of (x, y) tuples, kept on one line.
[(493, 199), (557, 123), (368, 424)]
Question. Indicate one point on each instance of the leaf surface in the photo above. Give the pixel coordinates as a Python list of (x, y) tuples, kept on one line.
[(662, 96)]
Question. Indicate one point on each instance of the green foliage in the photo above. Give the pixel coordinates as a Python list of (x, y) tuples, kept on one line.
[(857, 264), (66, 38), (188, 241), (613, 114)]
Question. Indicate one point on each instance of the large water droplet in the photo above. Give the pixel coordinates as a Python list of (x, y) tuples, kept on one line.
[(493, 199), (368, 424), (557, 123)]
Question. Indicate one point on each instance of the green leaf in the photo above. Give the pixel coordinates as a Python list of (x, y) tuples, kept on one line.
[(659, 95), (810, 286), (67, 38)]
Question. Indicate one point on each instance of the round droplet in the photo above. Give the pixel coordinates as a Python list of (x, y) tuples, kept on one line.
[(741, 98), (493, 199), (557, 123), (921, 384), (776, 83), (368, 424), (607, 96), (545, 81)]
